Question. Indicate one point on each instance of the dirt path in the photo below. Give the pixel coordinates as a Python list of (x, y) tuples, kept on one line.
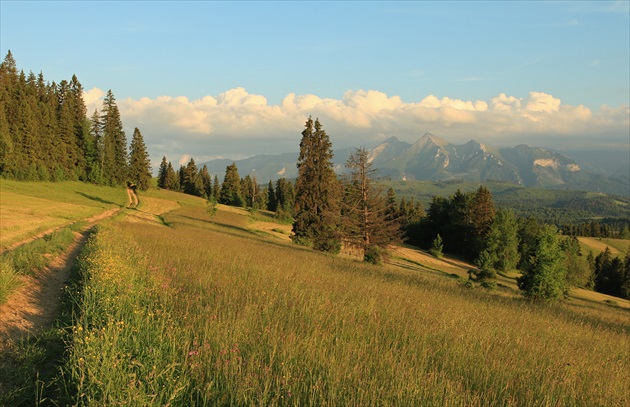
[(35, 304), (133, 198), (91, 221)]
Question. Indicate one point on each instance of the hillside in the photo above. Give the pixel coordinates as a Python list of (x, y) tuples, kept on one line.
[(551, 205), (181, 301)]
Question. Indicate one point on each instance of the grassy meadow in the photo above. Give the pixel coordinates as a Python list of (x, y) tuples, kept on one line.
[(173, 306), (28, 208), (207, 312)]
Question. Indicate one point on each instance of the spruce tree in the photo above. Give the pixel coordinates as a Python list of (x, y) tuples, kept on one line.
[(206, 181), (139, 162), (216, 188), (316, 217), (285, 196), (248, 191), (272, 204), (8, 84), (96, 170), (190, 181), (162, 173), (81, 132), (364, 209), (231, 187), (114, 142), (172, 180)]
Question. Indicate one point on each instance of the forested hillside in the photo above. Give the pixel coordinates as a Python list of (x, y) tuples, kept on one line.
[(45, 133)]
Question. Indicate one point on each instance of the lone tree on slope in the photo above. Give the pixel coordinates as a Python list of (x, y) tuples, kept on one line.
[(316, 214)]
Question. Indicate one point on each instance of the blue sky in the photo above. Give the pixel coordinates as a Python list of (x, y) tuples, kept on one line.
[(430, 66)]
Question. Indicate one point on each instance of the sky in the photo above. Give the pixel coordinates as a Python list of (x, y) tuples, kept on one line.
[(235, 79)]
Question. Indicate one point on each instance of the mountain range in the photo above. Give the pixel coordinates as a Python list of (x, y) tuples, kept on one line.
[(434, 159)]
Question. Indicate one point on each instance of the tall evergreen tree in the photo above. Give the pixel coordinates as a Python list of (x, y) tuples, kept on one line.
[(172, 180), (139, 162), (206, 181), (231, 187), (162, 173), (81, 131), (216, 188), (248, 191), (364, 209), (285, 196), (8, 85), (272, 203), (190, 181), (483, 213), (114, 142), (98, 158), (317, 191)]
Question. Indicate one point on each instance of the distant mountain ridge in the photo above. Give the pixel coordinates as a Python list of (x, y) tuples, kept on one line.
[(431, 158)]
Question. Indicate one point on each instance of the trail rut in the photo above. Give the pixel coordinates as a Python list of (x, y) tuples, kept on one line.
[(35, 304)]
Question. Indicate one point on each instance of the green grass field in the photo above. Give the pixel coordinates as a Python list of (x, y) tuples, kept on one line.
[(175, 307), (28, 208)]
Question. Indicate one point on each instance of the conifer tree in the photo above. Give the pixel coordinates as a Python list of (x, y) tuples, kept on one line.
[(317, 192), (172, 180), (8, 81), (231, 187), (114, 142), (139, 162), (162, 173), (206, 181), (190, 182), (364, 209), (96, 171), (216, 188), (272, 204), (248, 191), (483, 213), (260, 201), (285, 196), (82, 140)]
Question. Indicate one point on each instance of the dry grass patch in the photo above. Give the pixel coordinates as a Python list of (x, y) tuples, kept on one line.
[(618, 247)]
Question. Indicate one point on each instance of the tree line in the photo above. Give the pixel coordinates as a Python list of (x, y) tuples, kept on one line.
[(45, 134), (467, 225)]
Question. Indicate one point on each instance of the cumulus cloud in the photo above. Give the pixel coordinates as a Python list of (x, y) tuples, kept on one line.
[(237, 123)]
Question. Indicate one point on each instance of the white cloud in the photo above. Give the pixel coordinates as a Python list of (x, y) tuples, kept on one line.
[(238, 123)]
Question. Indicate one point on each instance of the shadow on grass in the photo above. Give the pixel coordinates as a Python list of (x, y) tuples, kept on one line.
[(97, 199)]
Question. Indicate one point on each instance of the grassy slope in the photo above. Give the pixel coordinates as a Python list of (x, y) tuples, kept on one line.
[(27, 208), (209, 311), (618, 247)]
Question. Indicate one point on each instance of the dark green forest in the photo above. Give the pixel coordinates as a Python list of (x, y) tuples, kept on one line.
[(46, 135)]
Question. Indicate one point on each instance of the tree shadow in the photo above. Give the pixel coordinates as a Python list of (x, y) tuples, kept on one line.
[(97, 199)]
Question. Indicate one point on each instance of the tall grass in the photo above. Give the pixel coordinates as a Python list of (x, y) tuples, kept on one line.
[(206, 313), (30, 258)]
